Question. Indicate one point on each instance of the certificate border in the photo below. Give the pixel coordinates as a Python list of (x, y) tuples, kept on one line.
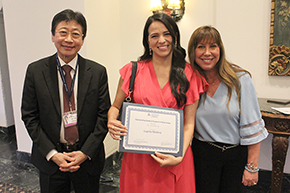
[(123, 141)]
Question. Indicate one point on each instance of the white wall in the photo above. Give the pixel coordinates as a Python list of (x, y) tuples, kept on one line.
[(104, 45), (245, 26), (115, 38)]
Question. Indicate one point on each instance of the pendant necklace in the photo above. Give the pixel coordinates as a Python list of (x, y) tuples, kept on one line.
[(213, 82)]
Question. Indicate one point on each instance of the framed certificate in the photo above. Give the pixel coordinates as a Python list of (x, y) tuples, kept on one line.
[(152, 129)]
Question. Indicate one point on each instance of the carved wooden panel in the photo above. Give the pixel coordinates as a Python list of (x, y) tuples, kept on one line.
[(279, 150), (279, 53)]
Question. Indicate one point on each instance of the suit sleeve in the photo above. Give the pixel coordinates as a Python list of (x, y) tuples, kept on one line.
[(31, 113), (94, 142)]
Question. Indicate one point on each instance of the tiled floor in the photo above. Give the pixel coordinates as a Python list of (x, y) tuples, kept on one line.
[(15, 170)]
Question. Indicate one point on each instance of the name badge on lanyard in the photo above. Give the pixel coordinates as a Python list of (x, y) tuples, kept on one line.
[(70, 117)]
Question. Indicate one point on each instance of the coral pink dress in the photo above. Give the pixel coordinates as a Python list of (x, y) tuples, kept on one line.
[(140, 173)]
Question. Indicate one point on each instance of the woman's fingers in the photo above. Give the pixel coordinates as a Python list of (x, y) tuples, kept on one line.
[(116, 132)]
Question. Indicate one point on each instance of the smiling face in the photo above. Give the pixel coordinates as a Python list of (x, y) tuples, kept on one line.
[(207, 55), (160, 40), (68, 39)]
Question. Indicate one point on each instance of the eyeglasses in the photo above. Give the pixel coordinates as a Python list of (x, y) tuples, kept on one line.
[(74, 34)]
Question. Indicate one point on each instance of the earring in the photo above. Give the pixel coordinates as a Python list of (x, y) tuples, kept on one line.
[(150, 51)]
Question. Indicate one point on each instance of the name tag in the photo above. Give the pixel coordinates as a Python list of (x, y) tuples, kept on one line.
[(70, 118)]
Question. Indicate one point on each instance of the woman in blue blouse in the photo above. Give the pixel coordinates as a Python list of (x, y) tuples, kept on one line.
[(229, 126)]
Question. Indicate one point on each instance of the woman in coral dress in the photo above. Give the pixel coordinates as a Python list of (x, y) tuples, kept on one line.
[(163, 79)]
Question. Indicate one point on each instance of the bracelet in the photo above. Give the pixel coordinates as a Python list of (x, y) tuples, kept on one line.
[(251, 168), (252, 171)]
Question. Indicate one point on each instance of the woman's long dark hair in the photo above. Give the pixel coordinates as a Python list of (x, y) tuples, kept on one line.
[(178, 81)]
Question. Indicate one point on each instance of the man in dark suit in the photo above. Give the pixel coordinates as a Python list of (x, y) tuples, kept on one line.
[(63, 161)]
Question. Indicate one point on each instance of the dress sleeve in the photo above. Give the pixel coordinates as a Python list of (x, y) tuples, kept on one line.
[(125, 73), (252, 126), (198, 85)]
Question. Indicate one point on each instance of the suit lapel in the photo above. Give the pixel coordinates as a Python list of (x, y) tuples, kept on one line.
[(84, 79), (50, 76)]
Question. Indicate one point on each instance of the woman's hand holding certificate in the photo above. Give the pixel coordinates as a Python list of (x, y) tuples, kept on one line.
[(116, 128), (166, 160)]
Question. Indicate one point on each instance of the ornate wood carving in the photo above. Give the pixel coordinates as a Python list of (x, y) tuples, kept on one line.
[(282, 126), (279, 52), (279, 125), (279, 150)]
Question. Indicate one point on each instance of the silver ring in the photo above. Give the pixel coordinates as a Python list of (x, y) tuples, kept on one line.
[(254, 183), (113, 127)]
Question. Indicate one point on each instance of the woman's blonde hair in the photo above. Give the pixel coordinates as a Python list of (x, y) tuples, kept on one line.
[(226, 71)]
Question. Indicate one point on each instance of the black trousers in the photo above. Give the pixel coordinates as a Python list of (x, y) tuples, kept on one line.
[(61, 182), (218, 171)]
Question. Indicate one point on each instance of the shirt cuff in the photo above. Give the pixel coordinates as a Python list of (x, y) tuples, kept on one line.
[(50, 154), (87, 156)]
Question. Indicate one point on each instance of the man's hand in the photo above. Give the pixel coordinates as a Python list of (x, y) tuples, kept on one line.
[(77, 158), (62, 161)]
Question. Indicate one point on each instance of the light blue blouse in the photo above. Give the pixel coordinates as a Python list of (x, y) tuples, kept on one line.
[(214, 123)]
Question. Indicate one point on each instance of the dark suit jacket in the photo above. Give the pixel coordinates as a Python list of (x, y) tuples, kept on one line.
[(41, 112)]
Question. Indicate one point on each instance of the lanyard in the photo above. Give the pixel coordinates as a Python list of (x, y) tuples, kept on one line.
[(69, 93)]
